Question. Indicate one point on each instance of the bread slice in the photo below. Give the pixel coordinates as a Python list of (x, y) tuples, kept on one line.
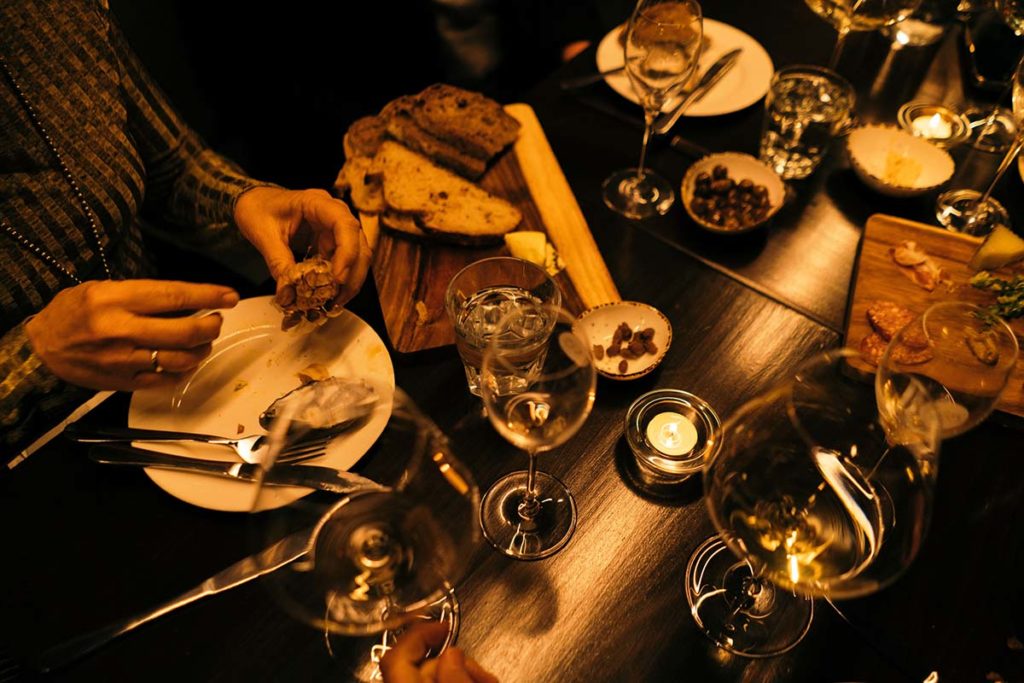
[(467, 120), (404, 223), (399, 123), (363, 137), (361, 179), (443, 204)]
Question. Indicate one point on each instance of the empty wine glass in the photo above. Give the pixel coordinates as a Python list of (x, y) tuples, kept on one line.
[(662, 47), (977, 213), (859, 15), (959, 356), (384, 554), (815, 496), (528, 514)]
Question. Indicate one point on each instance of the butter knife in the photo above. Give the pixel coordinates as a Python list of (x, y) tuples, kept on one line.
[(715, 72), (276, 556), (306, 476)]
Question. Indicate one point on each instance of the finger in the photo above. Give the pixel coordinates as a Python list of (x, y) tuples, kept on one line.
[(173, 333), (324, 213), (165, 296), (399, 665), (478, 673), (170, 360), (356, 276), (451, 667), (152, 380)]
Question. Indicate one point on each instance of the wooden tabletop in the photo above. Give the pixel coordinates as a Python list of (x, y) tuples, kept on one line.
[(85, 545)]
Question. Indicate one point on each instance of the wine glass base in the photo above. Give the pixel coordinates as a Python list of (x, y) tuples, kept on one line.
[(506, 530), (446, 610), (625, 193), (748, 617), (960, 211)]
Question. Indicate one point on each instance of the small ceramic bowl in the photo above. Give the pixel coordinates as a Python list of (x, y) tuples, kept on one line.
[(895, 163), (599, 324), (740, 167)]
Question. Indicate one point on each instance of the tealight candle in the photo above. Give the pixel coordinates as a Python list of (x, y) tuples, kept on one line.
[(935, 127), (671, 433), (933, 122)]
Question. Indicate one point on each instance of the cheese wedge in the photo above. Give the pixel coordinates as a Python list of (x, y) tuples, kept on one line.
[(1000, 248)]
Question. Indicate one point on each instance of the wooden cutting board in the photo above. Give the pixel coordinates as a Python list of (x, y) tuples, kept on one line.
[(408, 271), (877, 277)]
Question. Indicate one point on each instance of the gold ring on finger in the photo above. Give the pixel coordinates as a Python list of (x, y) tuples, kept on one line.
[(154, 360)]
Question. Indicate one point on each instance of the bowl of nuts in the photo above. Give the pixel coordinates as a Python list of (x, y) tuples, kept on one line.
[(628, 339), (731, 193)]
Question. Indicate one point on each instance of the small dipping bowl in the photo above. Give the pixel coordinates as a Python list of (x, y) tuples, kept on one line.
[(935, 123), (670, 433)]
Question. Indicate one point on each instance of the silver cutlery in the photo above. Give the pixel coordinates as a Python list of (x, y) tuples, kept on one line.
[(249, 448), (306, 476), (677, 142), (581, 81), (276, 556), (707, 81)]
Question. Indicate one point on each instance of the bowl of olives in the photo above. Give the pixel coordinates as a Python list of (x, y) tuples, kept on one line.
[(731, 193)]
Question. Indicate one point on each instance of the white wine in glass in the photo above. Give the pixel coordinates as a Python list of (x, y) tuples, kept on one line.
[(662, 47), (529, 515), (860, 15), (816, 496)]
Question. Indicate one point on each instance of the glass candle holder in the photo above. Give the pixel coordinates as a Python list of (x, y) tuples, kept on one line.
[(669, 432), (935, 123)]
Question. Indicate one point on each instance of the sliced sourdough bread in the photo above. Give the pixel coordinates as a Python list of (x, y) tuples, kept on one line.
[(467, 120), (363, 137), (398, 121), (444, 204), (404, 223), (360, 178)]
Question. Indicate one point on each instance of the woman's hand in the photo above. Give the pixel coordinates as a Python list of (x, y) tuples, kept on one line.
[(102, 334), (404, 663), (275, 220)]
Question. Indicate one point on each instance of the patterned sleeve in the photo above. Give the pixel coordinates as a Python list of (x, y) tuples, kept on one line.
[(22, 374), (188, 185)]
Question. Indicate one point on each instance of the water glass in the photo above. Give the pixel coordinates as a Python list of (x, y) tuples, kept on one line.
[(805, 108), (484, 292)]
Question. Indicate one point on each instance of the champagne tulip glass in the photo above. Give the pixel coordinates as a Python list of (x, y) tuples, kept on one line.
[(977, 213), (961, 357), (662, 47), (815, 496), (384, 553), (529, 514), (859, 15)]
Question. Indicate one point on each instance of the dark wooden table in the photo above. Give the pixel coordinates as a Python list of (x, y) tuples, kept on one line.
[(85, 545)]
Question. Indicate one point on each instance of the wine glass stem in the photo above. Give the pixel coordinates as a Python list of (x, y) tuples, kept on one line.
[(648, 123), (530, 505), (838, 49)]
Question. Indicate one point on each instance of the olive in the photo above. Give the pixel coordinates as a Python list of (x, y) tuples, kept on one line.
[(746, 185), (719, 172)]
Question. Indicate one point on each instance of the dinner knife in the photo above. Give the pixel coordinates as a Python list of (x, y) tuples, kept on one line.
[(676, 142), (711, 77), (270, 559), (306, 476)]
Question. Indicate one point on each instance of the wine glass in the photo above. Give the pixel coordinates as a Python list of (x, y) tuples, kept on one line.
[(387, 552), (859, 15), (970, 211), (961, 357), (662, 47), (528, 514), (817, 497)]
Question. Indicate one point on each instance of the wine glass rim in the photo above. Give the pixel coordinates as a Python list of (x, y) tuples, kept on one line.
[(978, 311), (492, 359), (449, 294), (644, 9)]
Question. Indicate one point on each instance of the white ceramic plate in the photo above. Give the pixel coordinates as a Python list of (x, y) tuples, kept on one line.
[(253, 363), (599, 324), (745, 84)]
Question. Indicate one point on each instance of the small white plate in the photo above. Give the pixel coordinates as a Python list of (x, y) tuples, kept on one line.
[(599, 324), (253, 363), (742, 86), (870, 146)]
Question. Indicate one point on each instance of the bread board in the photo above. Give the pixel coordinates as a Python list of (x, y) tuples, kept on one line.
[(407, 271), (877, 277)]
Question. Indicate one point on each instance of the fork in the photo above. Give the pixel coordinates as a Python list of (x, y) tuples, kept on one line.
[(249, 448)]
